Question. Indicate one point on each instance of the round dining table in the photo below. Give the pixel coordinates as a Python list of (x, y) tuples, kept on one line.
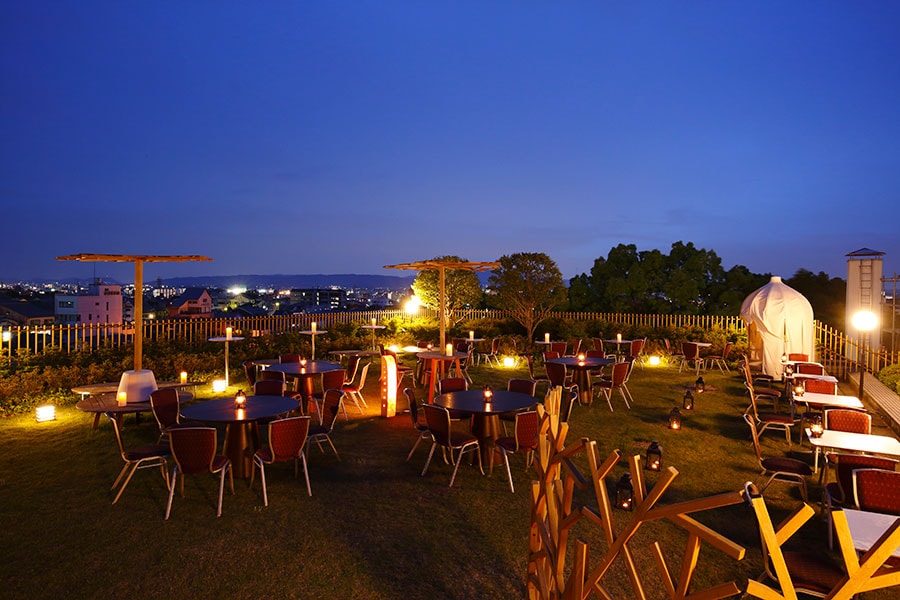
[(305, 375), (485, 417), (581, 375), (439, 365), (241, 431)]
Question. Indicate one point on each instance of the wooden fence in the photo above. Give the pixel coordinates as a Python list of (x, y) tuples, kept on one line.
[(841, 353)]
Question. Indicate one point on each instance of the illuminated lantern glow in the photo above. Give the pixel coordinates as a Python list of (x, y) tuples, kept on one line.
[(675, 419), (122, 398), (653, 361), (700, 385), (388, 385), (240, 399), (816, 429), (509, 362), (687, 402), (228, 332), (219, 385), (183, 377), (654, 456), (625, 492), (45, 413)]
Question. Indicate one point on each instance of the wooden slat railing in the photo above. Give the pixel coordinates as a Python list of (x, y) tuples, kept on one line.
[(841, 354)]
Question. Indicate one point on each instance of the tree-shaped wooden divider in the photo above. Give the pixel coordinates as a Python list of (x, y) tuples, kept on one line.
[(553, 515)]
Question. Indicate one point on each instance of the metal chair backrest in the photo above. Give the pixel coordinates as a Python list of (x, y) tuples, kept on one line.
[(271, 375), (250, 371), (556, 373), (527, 427), (524, 386), (754, 434), (559, 348), (598, 344), (595, 354), (438, 420), (877, 490), (413, 406), (620, 373), (289, 358), (810, 369), (287, 437), (164, 404), (269, 387), (690, 350), (576, 347), (352, 368), (193, 448), (846, 463), (362, 376), (852, 421), (452, 384), (637, 346), (331, 407), (333, 380), (820, 386), (550, 354), (798, 356)]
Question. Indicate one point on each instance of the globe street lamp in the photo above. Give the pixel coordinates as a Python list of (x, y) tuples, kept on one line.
[(864, 321)]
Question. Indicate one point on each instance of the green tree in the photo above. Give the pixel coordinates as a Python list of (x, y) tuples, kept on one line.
[(827, 295), (529, 285), (462, 289)]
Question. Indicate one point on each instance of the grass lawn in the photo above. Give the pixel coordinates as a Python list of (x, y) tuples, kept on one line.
[(373, 528)]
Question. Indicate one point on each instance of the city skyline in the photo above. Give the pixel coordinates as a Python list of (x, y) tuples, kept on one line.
[(323, 138)]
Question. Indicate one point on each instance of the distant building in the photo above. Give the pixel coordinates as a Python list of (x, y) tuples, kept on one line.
[(101, 304), (330, 298), (193, 303), (20, 312)]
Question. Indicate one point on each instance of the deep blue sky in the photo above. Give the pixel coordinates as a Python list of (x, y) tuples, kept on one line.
[(338, 137)]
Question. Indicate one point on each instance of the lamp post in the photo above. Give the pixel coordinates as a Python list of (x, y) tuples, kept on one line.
[(864, 321)]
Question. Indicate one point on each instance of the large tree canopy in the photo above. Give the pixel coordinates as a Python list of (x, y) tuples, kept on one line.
[(529, 285), (686, 281), (462, 289)]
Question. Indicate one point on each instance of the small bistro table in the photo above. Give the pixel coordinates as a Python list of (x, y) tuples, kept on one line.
[(304, 376), (241, 433), (485, 419), (582, 373)]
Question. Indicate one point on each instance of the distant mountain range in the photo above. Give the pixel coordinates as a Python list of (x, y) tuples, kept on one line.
[(371, 282)]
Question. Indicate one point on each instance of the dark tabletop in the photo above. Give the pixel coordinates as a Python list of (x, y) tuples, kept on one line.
[(313, 367), (222, 410), (473, 401), (109, 402), (589, 362)]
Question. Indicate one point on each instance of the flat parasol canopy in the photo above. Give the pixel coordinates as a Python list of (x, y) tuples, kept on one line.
[(138, 260), (441, 266)]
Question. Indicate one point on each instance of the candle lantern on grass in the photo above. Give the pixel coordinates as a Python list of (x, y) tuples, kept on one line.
[(625, 492), (675, 419), (654, 456), (700, 385), (687, 401)]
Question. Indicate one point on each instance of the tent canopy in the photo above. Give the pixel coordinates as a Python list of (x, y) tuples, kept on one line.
[(779, 321)]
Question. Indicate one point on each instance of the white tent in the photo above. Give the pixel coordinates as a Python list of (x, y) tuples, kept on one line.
[(779, 321)]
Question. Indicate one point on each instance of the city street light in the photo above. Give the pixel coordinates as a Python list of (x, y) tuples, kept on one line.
[(864, 321)]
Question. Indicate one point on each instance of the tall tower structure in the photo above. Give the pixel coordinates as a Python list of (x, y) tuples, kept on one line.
[(864, 290)]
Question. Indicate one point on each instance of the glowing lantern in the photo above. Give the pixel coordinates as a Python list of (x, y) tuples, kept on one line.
[(687, 402), (45, 413), (700, 385), (183, 377), (509, 362), (654, 361), (240, 399), (675, 419), (388, 385), (654, 456), (219, 385), (625, 492)]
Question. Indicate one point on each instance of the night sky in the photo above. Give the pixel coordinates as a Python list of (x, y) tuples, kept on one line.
[(338, 137)]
